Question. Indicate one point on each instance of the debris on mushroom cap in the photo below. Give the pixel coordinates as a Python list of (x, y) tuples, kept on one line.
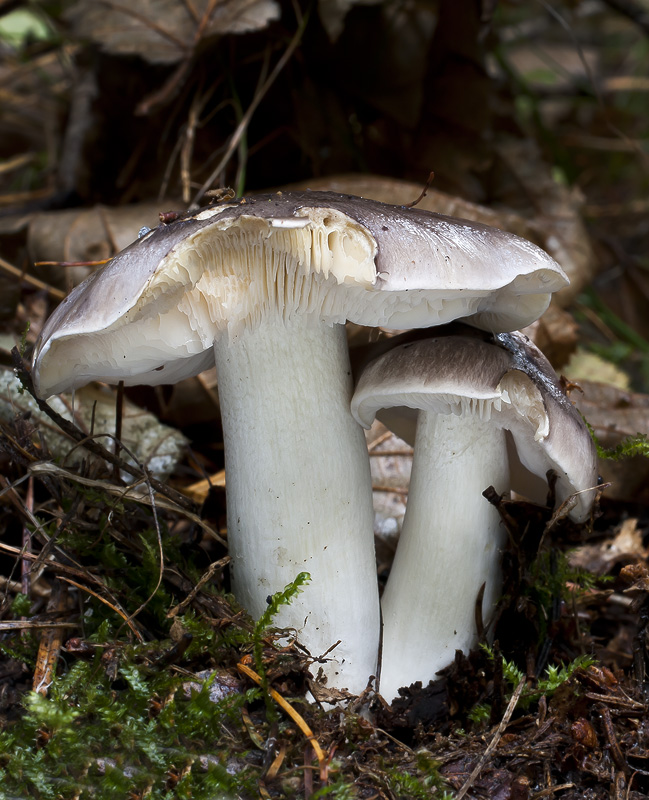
[(152, 313), (504, 378), (569, 445)]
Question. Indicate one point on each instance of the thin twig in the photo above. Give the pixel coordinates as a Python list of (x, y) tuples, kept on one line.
[(23, 276), (124, 493), (26, 624), (56, 566), (15, 498), (614, 747), (551, 790), (245, 120), (188, 147), (160, 552), (25, 566), (379, 440), (119, 417), (636, 146), (423, 193), (494, 742), (205, 577), (113, 606), (74, 433), (176, 80), (49, 647)]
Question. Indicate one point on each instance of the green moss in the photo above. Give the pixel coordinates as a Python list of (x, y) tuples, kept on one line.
[(21, 605), (104, 739), (555, 676), (421, 782)]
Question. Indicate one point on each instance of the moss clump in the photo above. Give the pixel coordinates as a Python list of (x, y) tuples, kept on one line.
[(136, 729)]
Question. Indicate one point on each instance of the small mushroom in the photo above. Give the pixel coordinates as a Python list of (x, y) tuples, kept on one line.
[(464, 393), (263, 286)]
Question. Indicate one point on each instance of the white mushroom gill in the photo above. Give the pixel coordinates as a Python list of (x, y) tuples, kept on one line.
[(525, 400)]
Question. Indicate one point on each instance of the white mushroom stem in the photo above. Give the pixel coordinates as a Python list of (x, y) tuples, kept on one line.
[(450, 546), (299, 494)]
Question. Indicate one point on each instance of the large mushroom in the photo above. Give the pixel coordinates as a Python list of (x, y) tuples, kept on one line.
[(488, 411), (263, 287)]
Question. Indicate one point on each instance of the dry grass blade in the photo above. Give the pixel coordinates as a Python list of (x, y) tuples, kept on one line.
[(27, 625), (57, 294), (17, 586), (207, 576), (160, 554), (494, 742), (124, 493), (292, 713), (614, 747), (97, 449), (255, 737), (25, 566), (50, 644), (114, 607), (47, 563), (24, 512), (10, 164), (245, 120), (552, 790), (263, 791), (198, 491), (274, 768)]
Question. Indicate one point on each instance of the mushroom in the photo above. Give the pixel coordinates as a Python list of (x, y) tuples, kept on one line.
[(263, 287), (467, 395)]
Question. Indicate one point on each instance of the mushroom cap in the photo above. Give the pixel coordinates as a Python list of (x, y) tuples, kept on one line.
[(152, 313), (505, 378)]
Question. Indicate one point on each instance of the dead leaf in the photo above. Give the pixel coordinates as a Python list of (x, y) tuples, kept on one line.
[(555, 215), (555, 333), (592, 367), (157, 446), (165, 31), (88, 234), (637, 576), (625, 547), (615, 414)]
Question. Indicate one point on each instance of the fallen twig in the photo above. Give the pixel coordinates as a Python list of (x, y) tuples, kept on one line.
[(494, 742)]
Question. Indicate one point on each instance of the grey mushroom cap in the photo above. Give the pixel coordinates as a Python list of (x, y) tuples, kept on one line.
[(151, 314), (505, 378)]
